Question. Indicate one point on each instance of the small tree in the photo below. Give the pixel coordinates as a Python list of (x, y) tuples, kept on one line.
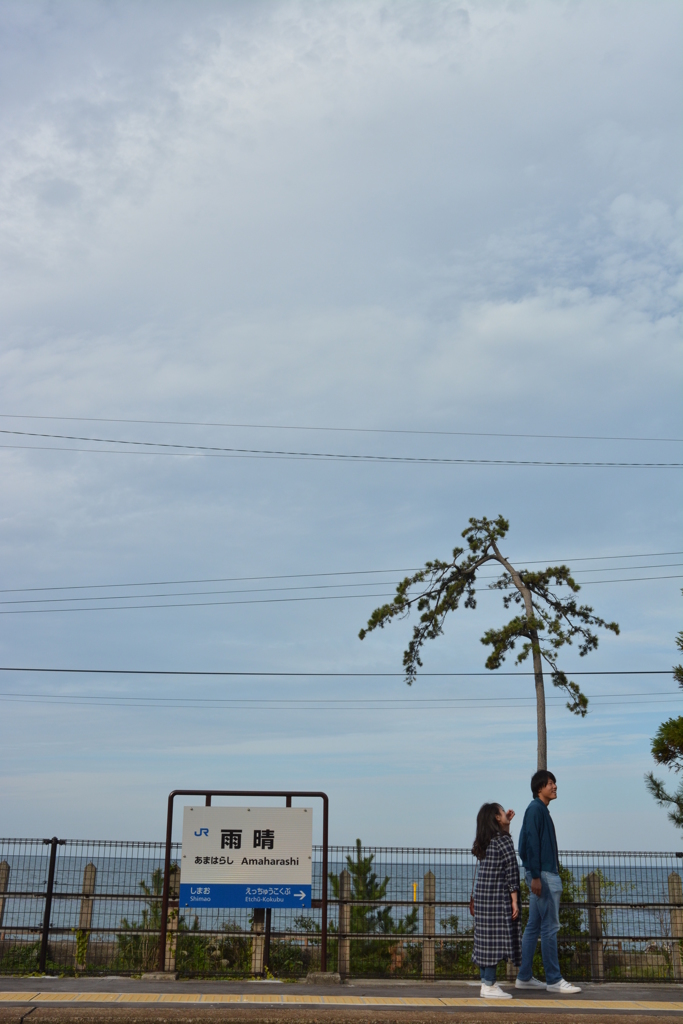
[(365, 885), (667, 748), (372, 955), (545, 623)]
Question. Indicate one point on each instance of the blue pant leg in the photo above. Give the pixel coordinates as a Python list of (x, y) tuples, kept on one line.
[(531, 933), (488, 975), (550, 926)]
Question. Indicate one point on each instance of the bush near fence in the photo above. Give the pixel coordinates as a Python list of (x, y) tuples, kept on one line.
[(393, 912)]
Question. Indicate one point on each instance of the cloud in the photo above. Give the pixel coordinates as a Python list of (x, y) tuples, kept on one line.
[(457, 216)]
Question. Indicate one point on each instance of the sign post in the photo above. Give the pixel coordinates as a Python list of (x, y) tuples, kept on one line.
[(259, 857)]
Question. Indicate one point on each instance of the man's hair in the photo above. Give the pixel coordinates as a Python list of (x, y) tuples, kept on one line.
[(541, 779)]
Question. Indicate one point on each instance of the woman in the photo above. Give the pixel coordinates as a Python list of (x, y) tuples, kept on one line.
[(497, 933)]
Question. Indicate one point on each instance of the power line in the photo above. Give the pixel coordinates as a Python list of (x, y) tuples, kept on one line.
[(190, 593), (473, 704), (215, 451), (285, 701), (315, 575), (356, 572), (267, 600), (347, 430), (315, 675), (227, 579), (278, 590)]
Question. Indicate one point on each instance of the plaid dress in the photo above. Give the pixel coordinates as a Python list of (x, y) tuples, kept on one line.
[(496, 936)]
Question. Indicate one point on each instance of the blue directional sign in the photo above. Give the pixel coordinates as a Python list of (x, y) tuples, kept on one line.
[(244, 895)]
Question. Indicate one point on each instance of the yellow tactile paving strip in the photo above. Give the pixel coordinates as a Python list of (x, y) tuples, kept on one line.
[(180, 998), (337, 1000)]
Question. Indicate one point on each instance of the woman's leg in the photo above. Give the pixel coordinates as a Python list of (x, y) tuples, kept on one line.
[(488, 975)]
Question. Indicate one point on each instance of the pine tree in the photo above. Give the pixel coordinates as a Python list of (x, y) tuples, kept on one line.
[(546, 620), (667, 748), (365, 885)]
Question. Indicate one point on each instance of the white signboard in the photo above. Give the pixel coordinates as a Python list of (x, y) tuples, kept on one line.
[(246, 857)]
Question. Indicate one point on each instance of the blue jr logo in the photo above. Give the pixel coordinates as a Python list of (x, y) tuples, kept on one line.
[(202, 832)]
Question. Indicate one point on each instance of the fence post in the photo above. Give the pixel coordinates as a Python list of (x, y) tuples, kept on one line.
[(85, 916), (676, 899), (4, 886), (344, 952), (257, 942), (53, 844), (428, 926), (595, 926), (172, 917)]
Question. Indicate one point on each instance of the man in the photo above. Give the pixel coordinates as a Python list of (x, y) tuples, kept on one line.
[(538, 851)]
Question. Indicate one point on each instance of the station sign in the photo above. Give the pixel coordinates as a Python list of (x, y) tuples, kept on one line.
[(246, 857)]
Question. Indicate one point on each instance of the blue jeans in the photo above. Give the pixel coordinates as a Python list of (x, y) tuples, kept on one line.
[(544, 919), (488, 975)]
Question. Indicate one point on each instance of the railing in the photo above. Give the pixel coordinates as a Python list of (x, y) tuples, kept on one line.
[(83, 907)]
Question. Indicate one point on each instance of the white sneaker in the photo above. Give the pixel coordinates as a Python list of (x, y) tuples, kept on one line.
[(493, 992), (531, 983), (563, 987)]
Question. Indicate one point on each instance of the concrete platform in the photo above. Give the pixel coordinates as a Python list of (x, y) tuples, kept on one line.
[(442, 997)]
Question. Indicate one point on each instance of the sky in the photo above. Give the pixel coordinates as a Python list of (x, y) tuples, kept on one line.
[(401, 231)]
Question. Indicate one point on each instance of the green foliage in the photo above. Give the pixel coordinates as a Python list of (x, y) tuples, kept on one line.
[(674, 801), (82, 938), (291, 960), (453, 957), (678, 669), (210, 955), (667, 749), (546, 621), (230, 954), (24, 959), (374, 956), (365, 885), (450, 924), (196, 954), (138, 946), (306, 924), (667, 746)]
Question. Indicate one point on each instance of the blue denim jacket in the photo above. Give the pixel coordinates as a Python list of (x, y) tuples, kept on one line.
[(537, 840)]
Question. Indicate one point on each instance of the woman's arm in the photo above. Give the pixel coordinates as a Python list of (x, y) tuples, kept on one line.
[(509, 864)]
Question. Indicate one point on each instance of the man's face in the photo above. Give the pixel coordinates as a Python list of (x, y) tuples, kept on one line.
[(549, 791)]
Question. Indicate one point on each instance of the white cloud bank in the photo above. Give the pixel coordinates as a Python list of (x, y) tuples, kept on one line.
[(437, 215)]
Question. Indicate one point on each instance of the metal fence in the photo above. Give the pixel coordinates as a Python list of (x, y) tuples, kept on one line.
[(94, 907)]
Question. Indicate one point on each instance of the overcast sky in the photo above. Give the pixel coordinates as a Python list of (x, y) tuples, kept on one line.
[(373, 216)]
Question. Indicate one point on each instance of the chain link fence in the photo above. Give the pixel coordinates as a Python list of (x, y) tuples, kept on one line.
[(94, 907)]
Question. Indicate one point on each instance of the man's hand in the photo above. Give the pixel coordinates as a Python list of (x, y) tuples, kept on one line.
[(536, 886)]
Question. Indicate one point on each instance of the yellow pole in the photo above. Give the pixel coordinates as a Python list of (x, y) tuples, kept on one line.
[(414, 892)]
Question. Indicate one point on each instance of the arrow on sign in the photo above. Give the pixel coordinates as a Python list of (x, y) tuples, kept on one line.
[(301, 895)]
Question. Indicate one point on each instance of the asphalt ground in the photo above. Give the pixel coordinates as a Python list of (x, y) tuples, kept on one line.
[(46, 1014)]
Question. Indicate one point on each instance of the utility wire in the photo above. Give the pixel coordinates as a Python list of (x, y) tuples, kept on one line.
[(285, 701), (347, 430), (216, 451), (473, 705), (266, 600), (278, 590), (317, 675), (356, 572)]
